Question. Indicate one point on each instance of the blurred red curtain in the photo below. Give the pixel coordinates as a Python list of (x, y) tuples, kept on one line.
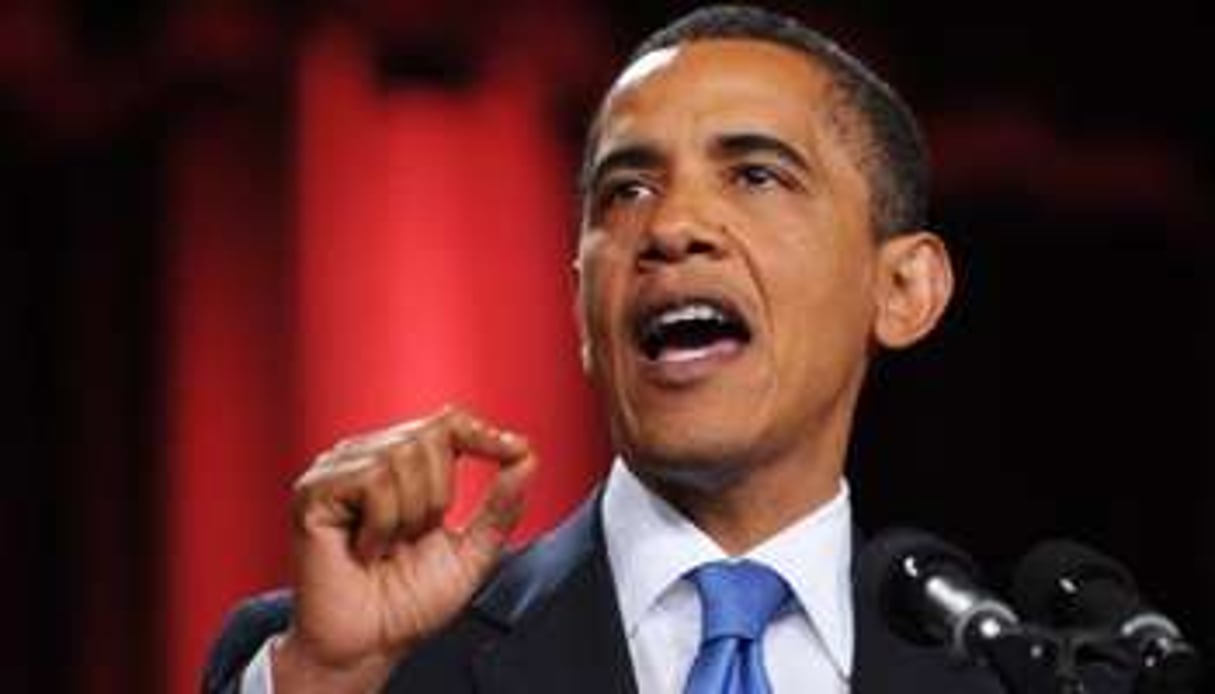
[(416, 254)]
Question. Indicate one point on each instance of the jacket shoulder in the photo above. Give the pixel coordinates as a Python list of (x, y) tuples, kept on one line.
[(245, 629), (524, 579)]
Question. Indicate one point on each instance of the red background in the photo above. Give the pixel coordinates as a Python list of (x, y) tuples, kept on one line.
[(238, 231)]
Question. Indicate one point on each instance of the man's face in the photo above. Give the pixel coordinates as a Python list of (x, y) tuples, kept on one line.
[(726, 263)]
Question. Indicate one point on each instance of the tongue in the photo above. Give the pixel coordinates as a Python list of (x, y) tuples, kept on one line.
[(721, 347)]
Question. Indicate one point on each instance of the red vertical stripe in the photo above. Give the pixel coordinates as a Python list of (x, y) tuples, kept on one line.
[(435, 243), (226, 494), (428, 264)]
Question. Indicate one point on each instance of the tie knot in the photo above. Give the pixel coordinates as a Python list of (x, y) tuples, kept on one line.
[(737, 598)]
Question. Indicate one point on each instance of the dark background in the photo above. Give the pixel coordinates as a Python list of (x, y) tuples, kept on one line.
[(1069, 393)]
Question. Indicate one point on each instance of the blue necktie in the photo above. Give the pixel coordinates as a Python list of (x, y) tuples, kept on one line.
[(737, 600)]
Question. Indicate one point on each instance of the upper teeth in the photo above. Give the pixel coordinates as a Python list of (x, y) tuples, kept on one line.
[(689, 312)]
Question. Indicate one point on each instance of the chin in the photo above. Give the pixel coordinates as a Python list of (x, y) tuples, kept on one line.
[(707, 459)]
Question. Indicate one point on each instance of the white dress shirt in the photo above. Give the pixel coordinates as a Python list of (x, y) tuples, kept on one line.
[(650, 546)]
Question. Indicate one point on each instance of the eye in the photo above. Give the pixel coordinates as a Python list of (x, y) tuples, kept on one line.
[(757, 176), (624, 191)]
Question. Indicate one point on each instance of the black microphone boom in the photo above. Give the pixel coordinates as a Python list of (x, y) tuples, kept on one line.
[(928, 591), (1071, 586), (929, 594)]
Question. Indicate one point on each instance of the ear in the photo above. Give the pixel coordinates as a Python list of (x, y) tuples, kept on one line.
[(914, 286), (584, 345)]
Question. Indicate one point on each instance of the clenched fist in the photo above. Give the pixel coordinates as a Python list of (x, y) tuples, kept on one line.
[(376, 569)]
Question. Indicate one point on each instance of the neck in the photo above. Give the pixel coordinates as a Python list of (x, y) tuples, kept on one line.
[(744, 515), (742, 510)]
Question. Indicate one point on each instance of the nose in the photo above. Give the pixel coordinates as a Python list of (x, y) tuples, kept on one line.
[(681, 228)]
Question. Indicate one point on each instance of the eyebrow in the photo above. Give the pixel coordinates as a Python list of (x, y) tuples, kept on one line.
[(644, 155), (640, 155), (743, 144)]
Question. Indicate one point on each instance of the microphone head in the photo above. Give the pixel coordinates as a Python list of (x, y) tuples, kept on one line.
[(893, 568), (1069, 585)]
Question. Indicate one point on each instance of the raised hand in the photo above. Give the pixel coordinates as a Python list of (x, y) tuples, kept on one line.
[(376, 569)]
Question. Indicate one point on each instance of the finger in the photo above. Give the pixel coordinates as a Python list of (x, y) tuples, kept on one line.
[(424, 465), (463, 432), (470, 434), (500, 510), (438, 479), (326, 496), (414, 464), (379, 512), (399, 482), (463, 429), (371, 443)]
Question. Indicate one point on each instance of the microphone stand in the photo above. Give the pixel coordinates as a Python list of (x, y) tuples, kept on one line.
[(1161, 663), (1029, 659), (1168, 666), (1025, 658)]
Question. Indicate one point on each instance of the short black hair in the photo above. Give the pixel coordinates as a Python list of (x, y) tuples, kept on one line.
[(889, 151)]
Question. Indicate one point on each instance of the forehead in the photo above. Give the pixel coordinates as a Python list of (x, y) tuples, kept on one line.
[(702, 87)]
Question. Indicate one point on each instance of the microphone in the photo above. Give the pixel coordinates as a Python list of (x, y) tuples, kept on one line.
[(1072, 586), (929, 592)]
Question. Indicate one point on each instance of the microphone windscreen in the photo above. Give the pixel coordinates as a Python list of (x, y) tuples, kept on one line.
[(1067, 584), (892, 568)]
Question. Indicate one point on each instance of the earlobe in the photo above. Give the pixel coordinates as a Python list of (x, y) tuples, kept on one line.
[(914, 288)]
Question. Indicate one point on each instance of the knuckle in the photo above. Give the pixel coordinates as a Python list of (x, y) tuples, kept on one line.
[(302, 496), (327, 459), (348, 447), (307, 495), (379, 471), (455, 415), (436, 507), (305, 485), (404, 455)]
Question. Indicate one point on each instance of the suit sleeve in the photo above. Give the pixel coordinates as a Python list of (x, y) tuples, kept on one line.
[(244, 631)]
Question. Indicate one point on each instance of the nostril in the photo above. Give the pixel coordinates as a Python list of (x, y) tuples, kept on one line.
[(653, 253), (668, 250)]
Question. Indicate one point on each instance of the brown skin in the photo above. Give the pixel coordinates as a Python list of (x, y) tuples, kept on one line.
[(376, 571), (775, 225), (783, 231)]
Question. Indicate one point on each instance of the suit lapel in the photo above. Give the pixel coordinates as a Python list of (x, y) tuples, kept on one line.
[(557, 603)]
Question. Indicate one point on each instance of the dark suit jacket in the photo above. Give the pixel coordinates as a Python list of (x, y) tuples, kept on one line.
[(548, 623)]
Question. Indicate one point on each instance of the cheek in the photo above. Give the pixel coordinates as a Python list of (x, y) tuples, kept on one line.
[(591, 311), (819, 294), (592, 324), (600, 294)]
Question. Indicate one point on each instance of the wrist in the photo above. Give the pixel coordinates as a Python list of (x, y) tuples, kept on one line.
[(297, 670)]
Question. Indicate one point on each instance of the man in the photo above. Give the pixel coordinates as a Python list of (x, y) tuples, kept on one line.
[(752, 232)]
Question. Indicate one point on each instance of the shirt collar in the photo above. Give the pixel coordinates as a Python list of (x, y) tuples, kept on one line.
[(651, 545)]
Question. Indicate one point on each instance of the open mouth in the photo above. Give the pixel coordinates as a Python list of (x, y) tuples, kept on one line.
[(689, 329)]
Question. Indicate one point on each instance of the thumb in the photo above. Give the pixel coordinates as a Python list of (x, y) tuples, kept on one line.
[(483, 538)]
